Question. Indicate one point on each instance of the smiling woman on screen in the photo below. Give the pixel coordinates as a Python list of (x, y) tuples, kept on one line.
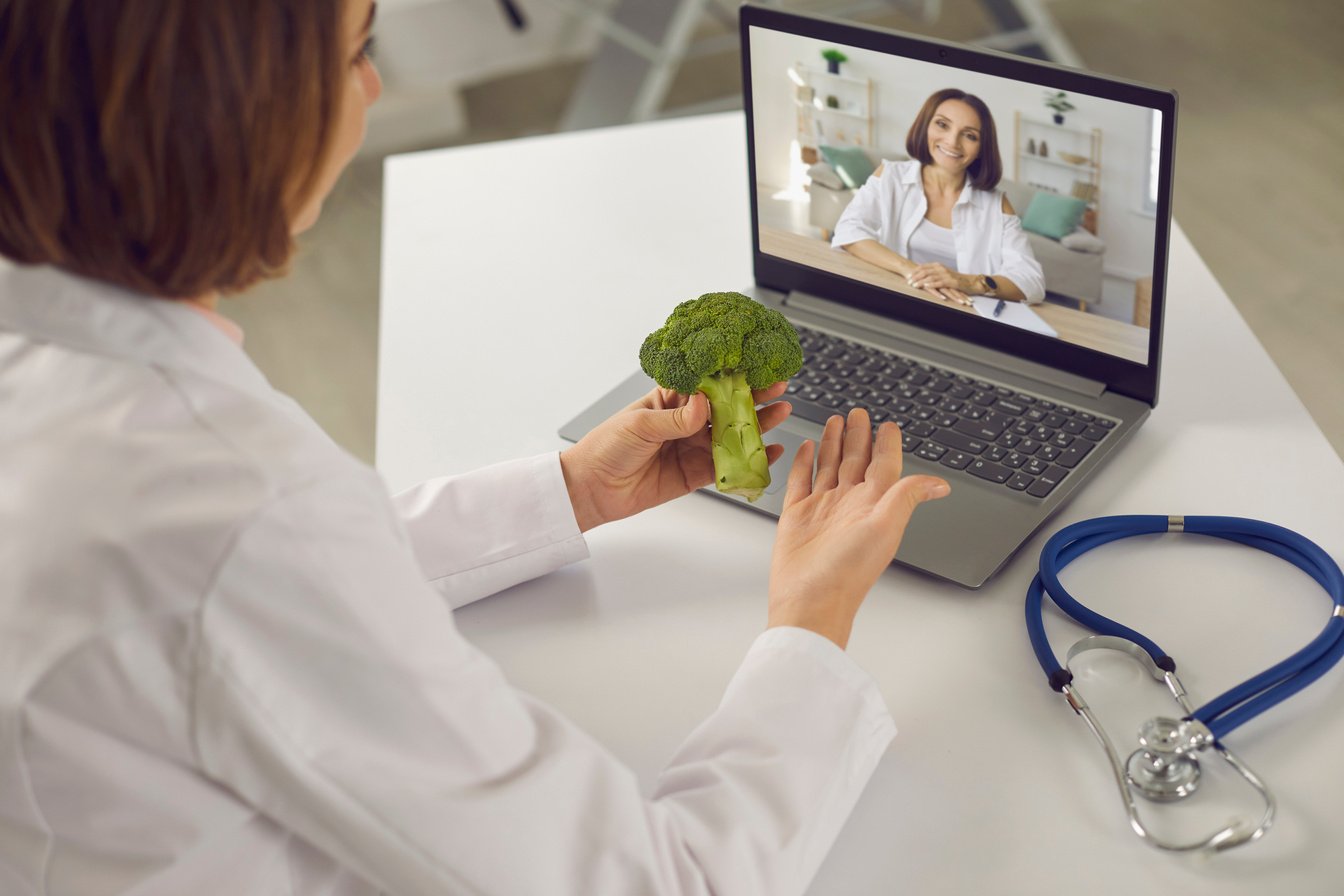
[(229, 661), (937, 219)]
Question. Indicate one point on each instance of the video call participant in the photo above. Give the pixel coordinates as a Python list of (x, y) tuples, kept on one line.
[(937, 219)]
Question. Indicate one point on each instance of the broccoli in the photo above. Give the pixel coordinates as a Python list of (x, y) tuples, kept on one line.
[(725, 344)]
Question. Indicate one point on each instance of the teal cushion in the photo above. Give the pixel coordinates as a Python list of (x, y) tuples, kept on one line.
[(850, 162), (1053, 215)]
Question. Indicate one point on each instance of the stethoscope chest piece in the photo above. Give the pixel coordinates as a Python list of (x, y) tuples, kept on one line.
[(1163, 769)]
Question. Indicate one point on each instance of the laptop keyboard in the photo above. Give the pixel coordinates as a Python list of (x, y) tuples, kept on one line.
[(1023, 442)]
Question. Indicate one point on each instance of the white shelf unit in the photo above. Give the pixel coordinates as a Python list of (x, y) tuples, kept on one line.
[(831, 109), (1048, 170)]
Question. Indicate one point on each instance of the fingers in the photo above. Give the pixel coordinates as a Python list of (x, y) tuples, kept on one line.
[(930, 276), (669, 424), (901, 500), (948, 294), (888, 461), (828, 455), (799, 485), (846, 449), (657, 398), (857, 449), (772, 415), (769, 393)]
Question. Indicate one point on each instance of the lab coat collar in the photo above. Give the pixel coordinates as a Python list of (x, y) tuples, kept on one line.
[(87, 315)]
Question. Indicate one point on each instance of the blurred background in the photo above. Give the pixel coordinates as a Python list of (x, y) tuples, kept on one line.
[(1258, 187)]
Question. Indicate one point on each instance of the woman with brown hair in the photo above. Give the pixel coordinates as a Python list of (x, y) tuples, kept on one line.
[(227, 657), (937, 219)]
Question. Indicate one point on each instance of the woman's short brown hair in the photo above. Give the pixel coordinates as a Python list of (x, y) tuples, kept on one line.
[(987, 168), (163, 145)]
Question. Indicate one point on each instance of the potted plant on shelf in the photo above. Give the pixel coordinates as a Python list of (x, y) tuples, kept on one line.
[(833, 59), (1058, 102)]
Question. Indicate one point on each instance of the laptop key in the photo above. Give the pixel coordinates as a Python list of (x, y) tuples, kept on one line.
[(1046, 482), (1071, 456), (960, 391), (1020, 481), (955, 439), (989, 470), (957, 460), (922, 428), (1035, 466), (984, 428), (930, 451), (810, 410)]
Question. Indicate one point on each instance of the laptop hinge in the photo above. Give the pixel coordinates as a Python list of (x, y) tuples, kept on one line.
[(917, 340)]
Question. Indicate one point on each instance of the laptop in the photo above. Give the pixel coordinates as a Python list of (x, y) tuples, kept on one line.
[(1016, 403)]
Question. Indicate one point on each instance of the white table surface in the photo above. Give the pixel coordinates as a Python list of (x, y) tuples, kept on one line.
[(518, 282)]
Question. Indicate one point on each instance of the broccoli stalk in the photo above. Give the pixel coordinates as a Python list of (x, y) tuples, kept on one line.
[(725, 345), (740, 464)]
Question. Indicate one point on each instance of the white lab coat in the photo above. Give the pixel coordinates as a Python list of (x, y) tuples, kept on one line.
[(222, 669)]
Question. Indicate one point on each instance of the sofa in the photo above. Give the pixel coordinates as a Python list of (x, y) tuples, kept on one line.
[(1072, 264)]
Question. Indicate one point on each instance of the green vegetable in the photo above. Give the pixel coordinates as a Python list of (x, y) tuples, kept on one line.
[(725, 345)]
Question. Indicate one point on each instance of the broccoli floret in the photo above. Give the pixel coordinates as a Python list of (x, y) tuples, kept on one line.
[(725, 344)]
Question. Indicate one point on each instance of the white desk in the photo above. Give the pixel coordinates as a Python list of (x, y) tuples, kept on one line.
[(518, 282)]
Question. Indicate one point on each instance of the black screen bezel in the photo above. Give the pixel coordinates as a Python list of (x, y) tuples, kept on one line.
[(1139, 381)]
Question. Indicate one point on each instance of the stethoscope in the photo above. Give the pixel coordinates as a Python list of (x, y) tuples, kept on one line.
[(1165, 767)]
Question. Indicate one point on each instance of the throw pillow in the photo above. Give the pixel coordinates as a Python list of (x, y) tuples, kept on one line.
[(851, 163), (1053, 215), (1082, 241), (823, 174)]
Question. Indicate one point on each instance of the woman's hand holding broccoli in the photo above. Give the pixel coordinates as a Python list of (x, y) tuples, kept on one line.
[(839, 530), (655, 450), (715, 360)]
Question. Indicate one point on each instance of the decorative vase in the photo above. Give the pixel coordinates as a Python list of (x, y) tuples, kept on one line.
[(1045, 150), (1059, 118), (832, 102), (1031, 146), (833, 66)]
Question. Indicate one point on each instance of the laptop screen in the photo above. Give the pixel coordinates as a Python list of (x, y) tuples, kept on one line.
[(1016, 204)]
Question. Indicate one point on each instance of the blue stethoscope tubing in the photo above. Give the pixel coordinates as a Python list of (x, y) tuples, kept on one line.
[(1247, 700)]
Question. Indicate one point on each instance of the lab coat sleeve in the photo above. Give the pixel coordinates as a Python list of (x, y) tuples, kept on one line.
[(1019, 262), (333, 692), (481, 532)]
